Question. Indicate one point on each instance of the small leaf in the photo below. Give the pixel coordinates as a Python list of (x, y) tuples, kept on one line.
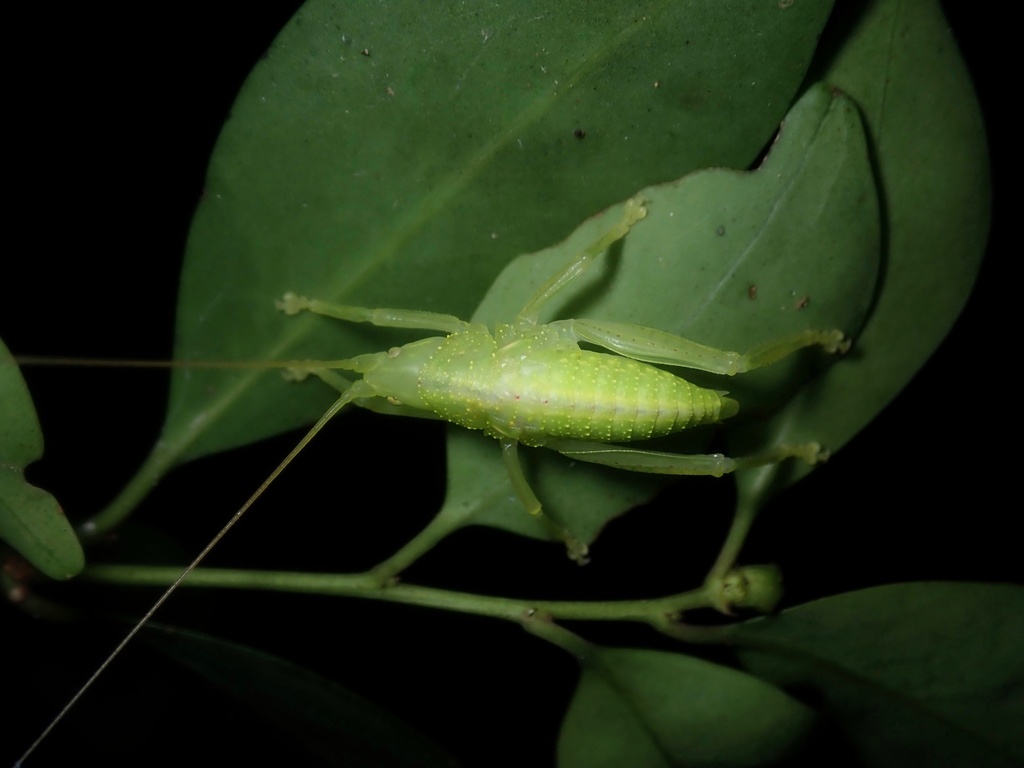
[(650, 709), (916, 674), (31, 520), (804, 224), (331, 723), (899, 63)]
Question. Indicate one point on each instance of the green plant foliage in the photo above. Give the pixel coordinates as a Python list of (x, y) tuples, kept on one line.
[(31, 520), (916, 674), (651, 709), (452, 156), (369, 154)]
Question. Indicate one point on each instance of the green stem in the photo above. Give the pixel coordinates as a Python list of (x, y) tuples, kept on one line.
[(747, 508), (450, 518), (543, 627), (157, 464), (368, 585), (446, 522)]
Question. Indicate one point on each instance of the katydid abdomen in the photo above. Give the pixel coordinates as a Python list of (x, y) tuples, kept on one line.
[(537, 388)]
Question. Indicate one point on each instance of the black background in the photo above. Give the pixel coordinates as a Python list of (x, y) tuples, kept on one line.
[(113, 112)]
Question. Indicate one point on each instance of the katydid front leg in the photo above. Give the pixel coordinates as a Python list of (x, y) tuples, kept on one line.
[(383, 317)]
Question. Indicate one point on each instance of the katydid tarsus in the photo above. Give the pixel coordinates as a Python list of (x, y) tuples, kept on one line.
[(530, 383)]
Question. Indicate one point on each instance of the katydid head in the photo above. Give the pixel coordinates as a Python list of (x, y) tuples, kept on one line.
[(396, 374)]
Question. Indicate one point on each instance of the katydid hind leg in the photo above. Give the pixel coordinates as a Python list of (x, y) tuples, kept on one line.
[(660, 347), (667, 463), (651, 345)]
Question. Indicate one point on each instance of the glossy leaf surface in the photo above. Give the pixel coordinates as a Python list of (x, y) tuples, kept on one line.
[(917, 674), (400, 155), (651, 709), (899, 63)]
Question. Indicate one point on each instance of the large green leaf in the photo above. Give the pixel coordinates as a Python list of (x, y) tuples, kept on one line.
[(650, 709), (916, 674), (898, 61), (401, 154), (803, 229), (31, 520)]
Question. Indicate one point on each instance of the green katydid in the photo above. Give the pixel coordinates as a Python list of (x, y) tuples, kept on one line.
[(531, 383)]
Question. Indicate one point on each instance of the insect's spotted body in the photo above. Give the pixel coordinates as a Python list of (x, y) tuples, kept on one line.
[(531, 383), (540, 385)]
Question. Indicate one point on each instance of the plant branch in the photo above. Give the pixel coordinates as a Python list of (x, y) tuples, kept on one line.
[(655, 611)]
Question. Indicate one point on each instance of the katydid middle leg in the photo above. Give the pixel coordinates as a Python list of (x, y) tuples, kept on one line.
[(521, 486), (634, 212)]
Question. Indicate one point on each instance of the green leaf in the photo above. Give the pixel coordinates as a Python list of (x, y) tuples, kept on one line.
[(898, 61), (916, 674), (400, 155), (31, 520), (329, 722), (803, 229), (650, 709)]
